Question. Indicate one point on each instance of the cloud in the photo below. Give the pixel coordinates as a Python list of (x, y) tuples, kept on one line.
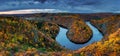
[(91, 2), (117, 12), (72, 6), (28, 11), (42, 1)]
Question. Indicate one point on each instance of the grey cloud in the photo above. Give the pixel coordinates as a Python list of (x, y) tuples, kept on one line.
[(69, 5)]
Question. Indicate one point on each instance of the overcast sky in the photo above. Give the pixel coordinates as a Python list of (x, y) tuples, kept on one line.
[(72, 6)]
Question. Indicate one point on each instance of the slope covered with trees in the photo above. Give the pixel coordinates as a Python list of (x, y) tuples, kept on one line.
[(79, 32), (109, 47), (19, 37)]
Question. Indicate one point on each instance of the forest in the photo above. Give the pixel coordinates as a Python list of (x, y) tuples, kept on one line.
[(35, 34)]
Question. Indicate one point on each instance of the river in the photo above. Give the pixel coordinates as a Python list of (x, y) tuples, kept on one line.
[(65, 42)]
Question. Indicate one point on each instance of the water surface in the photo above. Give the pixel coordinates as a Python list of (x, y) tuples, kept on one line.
[(65, 42)]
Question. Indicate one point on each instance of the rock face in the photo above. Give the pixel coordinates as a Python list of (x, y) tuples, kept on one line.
[(79, 32)]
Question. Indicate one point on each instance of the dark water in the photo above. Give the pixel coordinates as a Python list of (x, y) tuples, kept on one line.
[(65, 42)]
